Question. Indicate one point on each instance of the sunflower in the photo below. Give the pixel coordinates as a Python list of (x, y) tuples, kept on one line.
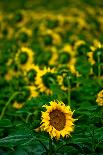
[(67, 56), (21, 18), (81, 47), (57, 120), (99, 99), (24, 57), (65, 79), (44, 79), (49, 38), (97, 50), (31, 72), (33, 92), (54, 56), (17, 105), (6, 31), (23, 35)]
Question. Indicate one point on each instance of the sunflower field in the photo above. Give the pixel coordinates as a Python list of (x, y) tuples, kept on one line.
[(51, 77)]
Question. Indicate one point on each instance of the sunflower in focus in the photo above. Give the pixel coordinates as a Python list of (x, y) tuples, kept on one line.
[(57, 120), (99, 99), (24, 57), (44, 79)]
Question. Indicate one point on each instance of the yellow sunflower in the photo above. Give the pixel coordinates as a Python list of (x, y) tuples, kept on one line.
[(17, 105), (6, 31), (99, 99), (49, 37), (96, 52), (33, 91), (68, 56), (44, 79), (23, 36), (21, 18), (57, 120), (31, 72), (24, 57), (54, 56)]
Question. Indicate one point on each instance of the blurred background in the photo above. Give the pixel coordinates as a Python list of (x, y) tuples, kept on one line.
[(10, 5)]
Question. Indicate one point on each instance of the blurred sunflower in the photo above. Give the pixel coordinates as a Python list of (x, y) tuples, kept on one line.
[(81, 47), (32, 91), (57, 120), (23, 35), (49, 38), (54, 55), (21, 18), (44, 79), (17, 105), (6, 31), (97, 50), (99, 99), (24, 57), (67, 80), (31, 72), (67, 56)]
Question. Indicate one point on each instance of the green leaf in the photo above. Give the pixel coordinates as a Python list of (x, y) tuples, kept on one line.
[(5, 123)]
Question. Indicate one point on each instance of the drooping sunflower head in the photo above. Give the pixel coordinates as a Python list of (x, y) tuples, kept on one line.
[(99, 99), (57, 120), (44, 79), (24, 57)]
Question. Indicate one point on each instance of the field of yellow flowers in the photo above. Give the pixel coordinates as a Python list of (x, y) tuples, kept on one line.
[(51, 78)]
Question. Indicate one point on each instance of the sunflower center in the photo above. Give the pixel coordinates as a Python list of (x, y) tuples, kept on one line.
[(48, 79), (57, 119), (18, 18), (23, 57), (48, 40), (64, 57), (23, 37)]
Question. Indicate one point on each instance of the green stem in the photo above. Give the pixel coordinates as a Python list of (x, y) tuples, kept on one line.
[(99, 67), (28, 116), (69, 92), (93, 143), (50, 146), (6, 105), (42, 144)]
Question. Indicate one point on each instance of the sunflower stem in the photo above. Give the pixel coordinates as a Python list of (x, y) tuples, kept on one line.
[(50, 146), (69, 93), (6, 105), (27, 118), (99, 67)]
